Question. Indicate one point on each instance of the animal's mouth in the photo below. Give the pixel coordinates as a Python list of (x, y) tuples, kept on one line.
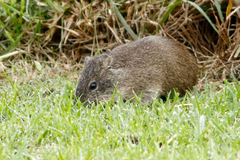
[(78, 97), (86, 103)]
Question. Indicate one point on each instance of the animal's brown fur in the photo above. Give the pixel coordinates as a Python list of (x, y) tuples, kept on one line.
[(152, 66)]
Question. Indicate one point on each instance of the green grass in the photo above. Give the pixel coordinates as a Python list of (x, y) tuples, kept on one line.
[(39, 121)]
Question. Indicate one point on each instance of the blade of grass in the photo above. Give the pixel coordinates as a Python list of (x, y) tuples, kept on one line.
[(54, 6), (13, 86), (6, 6), (170, 9), (21, 11), (219, 10), (113, 95), (204, 14), (122, 20), (15, 11), (3, 46), (5, 25), (10, 54), (233, 12), (237, 52), (70, 103), (229, 7), (9, 36), (13, 45)]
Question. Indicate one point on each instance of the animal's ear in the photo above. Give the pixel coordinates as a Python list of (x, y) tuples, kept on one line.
[(107, 61), (87, 59)]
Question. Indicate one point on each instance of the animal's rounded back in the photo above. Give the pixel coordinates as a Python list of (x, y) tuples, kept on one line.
[(151, 66)]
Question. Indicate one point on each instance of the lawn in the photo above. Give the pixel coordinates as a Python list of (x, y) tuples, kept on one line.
[(39, 120)]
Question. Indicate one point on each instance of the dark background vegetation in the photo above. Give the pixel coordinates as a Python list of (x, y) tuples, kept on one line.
[(67, 31)]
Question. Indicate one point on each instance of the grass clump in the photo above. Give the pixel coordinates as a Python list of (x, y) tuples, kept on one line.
[(43, 123)]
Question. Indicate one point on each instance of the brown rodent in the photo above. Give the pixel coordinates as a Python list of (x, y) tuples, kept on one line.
[(152, 66)]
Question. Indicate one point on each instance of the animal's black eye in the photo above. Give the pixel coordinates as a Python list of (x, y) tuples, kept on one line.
[(93, 86)]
